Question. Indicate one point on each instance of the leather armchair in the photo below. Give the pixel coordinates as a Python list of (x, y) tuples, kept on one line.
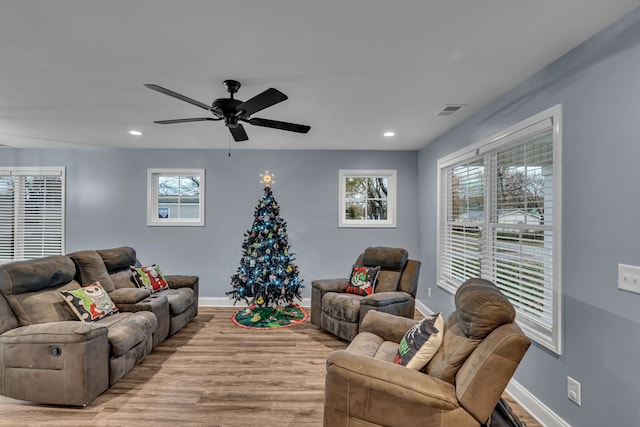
[(340, 313), (460, 386)]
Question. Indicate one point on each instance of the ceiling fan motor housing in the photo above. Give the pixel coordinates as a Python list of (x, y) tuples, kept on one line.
[(226, 108)]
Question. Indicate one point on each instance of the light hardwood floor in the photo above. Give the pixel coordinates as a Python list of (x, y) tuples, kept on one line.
[(212, 373)]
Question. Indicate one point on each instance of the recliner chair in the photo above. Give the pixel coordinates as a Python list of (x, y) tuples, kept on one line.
[(481, 349), (341, 313)]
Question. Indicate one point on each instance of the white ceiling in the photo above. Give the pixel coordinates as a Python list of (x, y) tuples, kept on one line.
[(72, 71)]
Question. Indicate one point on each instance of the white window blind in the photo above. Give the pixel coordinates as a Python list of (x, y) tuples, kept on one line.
[(499, 219), (31, 213)]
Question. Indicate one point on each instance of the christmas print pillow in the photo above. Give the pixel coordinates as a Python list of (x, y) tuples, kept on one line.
[(90, 303), (149, 278), (362, 280), (421, 342)]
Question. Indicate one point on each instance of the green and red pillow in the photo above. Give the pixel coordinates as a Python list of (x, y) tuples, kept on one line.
[(362, 280), (90, 302), (149, 278)]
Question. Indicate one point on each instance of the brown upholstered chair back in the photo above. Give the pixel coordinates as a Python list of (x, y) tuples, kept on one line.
[(479, 334), (397, 271)]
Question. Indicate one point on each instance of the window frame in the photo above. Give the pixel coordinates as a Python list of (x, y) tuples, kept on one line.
[(153, 175), (549, 337), (19, 250), (390, 174)]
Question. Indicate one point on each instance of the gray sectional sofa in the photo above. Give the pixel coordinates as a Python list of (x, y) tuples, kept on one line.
[(47, 355)]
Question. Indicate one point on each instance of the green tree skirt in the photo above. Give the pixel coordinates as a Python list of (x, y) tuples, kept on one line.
[(268, 317)]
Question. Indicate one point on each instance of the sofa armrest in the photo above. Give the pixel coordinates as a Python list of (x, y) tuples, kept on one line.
[(330, 285), (63, 332), (177, 281), (128, 295), (392, 385), (318, 289), (59, 363), (387, 326)]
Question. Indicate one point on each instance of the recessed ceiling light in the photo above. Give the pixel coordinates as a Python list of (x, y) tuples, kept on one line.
[(389, 134), (136, 133)]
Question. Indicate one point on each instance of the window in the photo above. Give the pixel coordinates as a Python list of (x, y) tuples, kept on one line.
[(499, 218), (31, 213), (367, 198), (175, 197)]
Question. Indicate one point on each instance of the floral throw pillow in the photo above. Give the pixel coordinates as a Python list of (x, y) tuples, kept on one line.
[(149, 278), (362, 280), (90, 303), (421, 342)]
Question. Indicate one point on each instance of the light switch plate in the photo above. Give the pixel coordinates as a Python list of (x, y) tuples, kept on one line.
[(629, 278), (574, 392)]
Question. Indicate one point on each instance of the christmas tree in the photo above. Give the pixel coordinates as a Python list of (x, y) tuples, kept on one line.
[(267, 275)]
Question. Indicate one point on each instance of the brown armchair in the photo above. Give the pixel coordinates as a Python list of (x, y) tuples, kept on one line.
[(460, 386), (341, 313)]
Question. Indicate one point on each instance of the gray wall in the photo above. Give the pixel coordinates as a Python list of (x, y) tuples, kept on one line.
[(598, 85), (107, 202)]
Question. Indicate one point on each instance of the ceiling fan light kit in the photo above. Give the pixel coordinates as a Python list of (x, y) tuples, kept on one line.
[(233, 111)]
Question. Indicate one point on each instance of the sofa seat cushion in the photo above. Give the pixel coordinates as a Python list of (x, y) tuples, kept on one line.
[(371, 345), (126, 330), (342, 306), (179, 299)]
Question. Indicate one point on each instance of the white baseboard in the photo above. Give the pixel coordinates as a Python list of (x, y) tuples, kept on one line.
[(535, 407), (423, 309), (227, 302)]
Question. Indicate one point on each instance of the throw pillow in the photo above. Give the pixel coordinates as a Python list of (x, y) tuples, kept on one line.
[(362, 280), (90, 302), (421, 342), (149, 278)]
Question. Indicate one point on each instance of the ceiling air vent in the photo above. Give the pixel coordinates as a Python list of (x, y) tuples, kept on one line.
[(450, 109)]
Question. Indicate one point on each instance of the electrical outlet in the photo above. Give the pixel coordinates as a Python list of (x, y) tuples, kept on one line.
[(629, 278), (429, 292), (574, 392)]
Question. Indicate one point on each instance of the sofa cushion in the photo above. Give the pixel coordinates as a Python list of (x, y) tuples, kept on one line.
[(179, 299), (150, 278), (91, 269), (388, 281), (126, 330), (453, 352), (481, 307), (123, 279), (387, 258), (420, 343), (42, 306), (362, 280), (89, 303), (372, 345), (33, 275), (8, 320), (118, 258), (342, 306)]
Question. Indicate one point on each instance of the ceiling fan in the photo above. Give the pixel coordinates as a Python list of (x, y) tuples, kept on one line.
[(233, 111)]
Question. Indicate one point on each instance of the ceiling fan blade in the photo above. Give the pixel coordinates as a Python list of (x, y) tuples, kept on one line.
[(196, 119), (239, 133), (291, 127), (261, 101), (178, 96)]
